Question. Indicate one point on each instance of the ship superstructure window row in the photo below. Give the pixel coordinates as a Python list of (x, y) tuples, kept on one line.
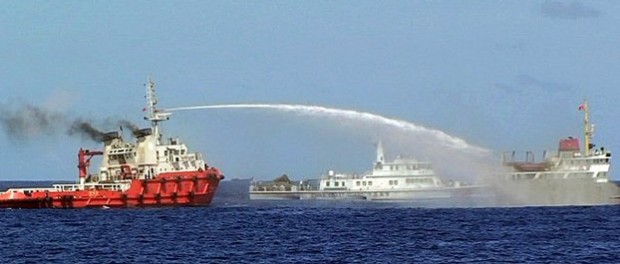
[(407, 167), (418, 180), (363, 183), (335, 183)]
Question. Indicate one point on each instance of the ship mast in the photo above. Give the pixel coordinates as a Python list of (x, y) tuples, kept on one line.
[(153, 114), (588, 128), (380, 155)]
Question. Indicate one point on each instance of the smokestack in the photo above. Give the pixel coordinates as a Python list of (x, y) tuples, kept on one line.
[(134, 128), (110, 136), (143, 132)]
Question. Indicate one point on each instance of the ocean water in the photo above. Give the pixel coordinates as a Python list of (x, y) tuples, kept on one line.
[(236, 230)]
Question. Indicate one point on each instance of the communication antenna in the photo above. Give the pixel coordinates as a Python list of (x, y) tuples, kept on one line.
[(153, 114)]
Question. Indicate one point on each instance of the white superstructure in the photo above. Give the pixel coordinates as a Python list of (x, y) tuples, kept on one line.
[(399, 174), (399, 179), (148, 157)]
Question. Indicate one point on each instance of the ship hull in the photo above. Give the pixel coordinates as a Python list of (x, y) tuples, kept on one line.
[(540, 192), (169, 189), (375, 195)]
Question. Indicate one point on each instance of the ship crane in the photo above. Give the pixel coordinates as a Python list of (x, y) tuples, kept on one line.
[(84, 157)]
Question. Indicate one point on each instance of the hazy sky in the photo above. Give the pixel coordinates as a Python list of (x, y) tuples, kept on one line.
[(503, 75)]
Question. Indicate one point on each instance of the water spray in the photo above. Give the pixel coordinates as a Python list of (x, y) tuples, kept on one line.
[(312, 110)]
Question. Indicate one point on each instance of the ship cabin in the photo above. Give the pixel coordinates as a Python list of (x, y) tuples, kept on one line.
[(399, 174), (174, 156), (124, 161), (569, 162)]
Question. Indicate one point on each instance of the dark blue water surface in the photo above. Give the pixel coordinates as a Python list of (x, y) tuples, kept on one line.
[(236, 230)]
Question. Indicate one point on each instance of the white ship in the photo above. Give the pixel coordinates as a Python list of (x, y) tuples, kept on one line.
[(403, 179), (570, 176)]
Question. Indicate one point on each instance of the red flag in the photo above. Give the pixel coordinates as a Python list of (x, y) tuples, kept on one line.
[(582, 107)]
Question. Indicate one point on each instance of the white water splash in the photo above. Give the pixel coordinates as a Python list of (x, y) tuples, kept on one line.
[(312, 110)]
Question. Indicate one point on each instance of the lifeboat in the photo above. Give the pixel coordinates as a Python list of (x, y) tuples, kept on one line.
[(529, 166)]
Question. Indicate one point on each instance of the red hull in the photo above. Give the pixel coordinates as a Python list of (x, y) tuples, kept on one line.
[(168, 189)]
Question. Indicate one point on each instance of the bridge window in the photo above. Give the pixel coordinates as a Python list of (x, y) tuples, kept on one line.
[(327, 184), (370, 183), (357, 183), (336, 184)]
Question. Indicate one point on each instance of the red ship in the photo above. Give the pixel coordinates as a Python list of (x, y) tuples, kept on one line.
[(147, 173)]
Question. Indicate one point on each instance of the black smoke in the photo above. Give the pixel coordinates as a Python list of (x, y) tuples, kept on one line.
[(86, 130), (125, 123), (28, 122)]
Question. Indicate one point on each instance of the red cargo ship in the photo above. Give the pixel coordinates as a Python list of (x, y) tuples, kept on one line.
[(147, 173)]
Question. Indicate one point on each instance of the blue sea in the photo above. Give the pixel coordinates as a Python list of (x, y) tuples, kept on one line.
[(236, 230)]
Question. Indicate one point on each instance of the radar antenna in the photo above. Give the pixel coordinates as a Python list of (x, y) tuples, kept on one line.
[(153, 114)]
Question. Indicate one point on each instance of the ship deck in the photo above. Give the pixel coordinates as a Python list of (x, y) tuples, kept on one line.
[(379, 194)]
